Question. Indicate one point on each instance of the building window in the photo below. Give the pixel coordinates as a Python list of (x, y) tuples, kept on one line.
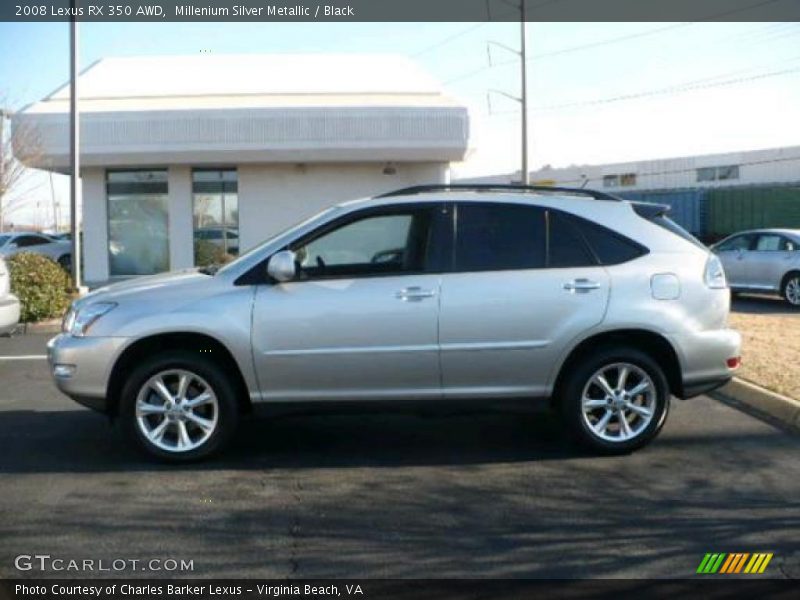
[(624, 180), (718, 173), (138, 242), (216, 215)]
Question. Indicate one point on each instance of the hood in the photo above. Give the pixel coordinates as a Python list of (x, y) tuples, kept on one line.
[(167, 282)]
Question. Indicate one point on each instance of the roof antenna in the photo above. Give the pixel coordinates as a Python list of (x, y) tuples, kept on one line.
[(585, 181)]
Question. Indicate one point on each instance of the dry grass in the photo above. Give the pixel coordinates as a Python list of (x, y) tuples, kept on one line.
[(770, 345)]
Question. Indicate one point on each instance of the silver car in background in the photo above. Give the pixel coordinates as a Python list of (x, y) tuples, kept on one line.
[(428, 294), (763, 260)]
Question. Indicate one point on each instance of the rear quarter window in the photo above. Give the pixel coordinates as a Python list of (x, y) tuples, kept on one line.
[(610, 247)]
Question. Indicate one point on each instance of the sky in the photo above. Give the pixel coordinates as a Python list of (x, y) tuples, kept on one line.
[(598, 92)]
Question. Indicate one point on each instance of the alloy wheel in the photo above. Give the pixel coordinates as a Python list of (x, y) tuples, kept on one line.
[(618, 402), (177, 410), (792, 291)]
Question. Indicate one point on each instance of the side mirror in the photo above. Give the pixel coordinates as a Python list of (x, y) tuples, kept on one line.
[(281, 266)]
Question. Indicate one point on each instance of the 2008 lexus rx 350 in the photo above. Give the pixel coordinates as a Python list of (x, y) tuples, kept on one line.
[(430, 293)]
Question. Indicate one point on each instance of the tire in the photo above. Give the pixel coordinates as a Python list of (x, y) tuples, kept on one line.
[(143, 409), (65, 262), (603, 415), (790, 290)]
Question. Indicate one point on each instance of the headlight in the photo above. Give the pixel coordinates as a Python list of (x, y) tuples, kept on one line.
[(77, 322), (715, 274)]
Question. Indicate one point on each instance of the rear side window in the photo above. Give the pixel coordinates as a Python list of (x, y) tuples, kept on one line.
[(566, 245), (497, 237), (609, 247)]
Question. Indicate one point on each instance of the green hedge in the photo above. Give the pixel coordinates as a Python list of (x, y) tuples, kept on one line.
[(42, 286)]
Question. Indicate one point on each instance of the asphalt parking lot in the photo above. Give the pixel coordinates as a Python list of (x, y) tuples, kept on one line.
[(464, 495)]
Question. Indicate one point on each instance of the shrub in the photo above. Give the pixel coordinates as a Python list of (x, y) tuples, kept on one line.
[(208, 253), (42, 286)]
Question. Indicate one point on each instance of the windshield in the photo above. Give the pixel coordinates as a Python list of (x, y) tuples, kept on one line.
[(259, 247), (4, 239)]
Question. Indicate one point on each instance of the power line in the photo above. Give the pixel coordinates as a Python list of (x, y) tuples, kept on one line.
[(614, 40), (570, 49), (449, 39), (700, 84)]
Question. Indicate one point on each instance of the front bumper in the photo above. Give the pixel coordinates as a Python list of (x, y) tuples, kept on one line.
[(704, 356), (9, 313), (81, 366)]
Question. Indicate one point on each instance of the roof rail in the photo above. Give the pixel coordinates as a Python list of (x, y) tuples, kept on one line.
[(498, 187)]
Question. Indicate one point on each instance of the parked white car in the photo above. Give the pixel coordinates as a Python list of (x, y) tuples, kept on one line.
[(9, 305), (21, 241)]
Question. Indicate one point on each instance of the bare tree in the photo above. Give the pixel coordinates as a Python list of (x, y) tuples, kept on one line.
[(17, 147)]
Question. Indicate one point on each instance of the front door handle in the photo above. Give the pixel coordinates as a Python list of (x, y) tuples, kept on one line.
[(414, 294), (581, 286)]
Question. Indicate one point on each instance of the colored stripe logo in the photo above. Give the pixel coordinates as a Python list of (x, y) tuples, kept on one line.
[(736, 562)]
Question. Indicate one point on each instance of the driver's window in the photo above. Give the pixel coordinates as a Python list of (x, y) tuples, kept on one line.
[(378, 244)]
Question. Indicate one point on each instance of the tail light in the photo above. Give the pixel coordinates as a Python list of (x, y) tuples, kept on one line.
[(714, 275)]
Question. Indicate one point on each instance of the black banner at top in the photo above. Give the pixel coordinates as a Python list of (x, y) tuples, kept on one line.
[(399, 10)]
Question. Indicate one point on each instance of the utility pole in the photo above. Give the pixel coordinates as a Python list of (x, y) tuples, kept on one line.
[(526, 178), (2, 166), (523, 96), (74, 150)]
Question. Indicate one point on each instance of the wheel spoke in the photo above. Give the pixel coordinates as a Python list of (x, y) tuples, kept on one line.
[(592, 403), (160, 387), (602, 382), (642, 411), (602, 424), (625, 429), (145, 408), (198, 400), (183, 436), (623, 378), (642, 387), (206, 425), (157, 434), (183, 385)]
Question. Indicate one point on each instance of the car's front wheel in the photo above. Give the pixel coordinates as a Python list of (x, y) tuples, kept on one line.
[(615, 401), (179, 406), (791, 290)]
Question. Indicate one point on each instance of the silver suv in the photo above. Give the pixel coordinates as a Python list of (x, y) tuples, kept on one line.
[(428, 294)]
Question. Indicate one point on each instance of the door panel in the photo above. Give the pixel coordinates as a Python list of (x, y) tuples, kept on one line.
[(345, 339), (734, 255), (502, 332), (768, 263)]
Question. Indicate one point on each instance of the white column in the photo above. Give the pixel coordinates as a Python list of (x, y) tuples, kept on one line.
[(181, 236), (95, 226)]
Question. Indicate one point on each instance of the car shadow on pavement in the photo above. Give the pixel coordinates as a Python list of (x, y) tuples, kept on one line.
[(761, 304), (81, 441)]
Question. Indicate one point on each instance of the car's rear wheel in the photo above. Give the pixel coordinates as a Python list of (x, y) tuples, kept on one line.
[(66, 262), (791, 289), (179, 407), (615, 401)]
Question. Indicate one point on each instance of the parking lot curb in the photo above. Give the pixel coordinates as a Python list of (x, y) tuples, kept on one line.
[(46, 326), (761, 402)]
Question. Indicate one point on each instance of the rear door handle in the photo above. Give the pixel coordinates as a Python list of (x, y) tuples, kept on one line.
[(414, 294), (581, 286)]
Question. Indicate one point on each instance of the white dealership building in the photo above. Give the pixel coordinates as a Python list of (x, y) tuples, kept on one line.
[(180, 155)]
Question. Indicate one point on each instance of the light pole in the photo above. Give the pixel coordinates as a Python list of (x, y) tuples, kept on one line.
[(74, 150), (523, 95)]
